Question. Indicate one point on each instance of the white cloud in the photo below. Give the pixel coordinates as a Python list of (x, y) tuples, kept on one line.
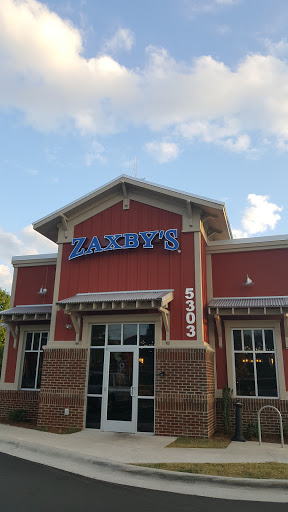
[(59, 88), (6, 277), (278, 48), (95, 154), (238, 233), (223, 29), (225, 134), (33, 172), (203, 6), (26, 242), (123, 39), (258, 217), (162, 151)]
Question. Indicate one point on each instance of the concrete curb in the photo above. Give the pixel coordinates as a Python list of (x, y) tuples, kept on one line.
[(144, 473)]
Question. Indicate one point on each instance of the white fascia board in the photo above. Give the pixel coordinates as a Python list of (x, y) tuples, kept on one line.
[(252, 240), (136, 181), (30, 258)]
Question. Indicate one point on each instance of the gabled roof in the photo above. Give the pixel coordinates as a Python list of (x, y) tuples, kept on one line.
[(47, 226)]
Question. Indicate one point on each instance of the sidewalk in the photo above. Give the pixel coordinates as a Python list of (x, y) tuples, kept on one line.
[(107, 455)]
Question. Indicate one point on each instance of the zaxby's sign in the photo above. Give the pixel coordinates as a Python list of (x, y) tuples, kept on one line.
[(125, 241)]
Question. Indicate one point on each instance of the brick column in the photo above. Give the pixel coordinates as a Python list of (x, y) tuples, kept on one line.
[(63, 386), (185, 396)]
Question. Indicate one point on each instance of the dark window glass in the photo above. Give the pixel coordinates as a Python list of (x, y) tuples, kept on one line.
[(98, 335), (237, 340), (36, 340), (39, 370), (269, 342), (266, 375), (114, 334), (146, 372), (147, 334), (29, 337), (258, 339), (96, 371), (244, 367), (130, 334), (93, 413), (145, 415), (31, 375), (247, 334), (120, 382), (29, 369), (44, 339)]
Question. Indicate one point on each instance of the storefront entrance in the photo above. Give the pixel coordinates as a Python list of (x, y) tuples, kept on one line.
[(120, 390), (121, 378)]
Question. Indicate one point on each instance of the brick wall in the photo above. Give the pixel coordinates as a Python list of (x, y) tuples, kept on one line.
[(269, 417), (185, 403), (63, 386), (28, 400)]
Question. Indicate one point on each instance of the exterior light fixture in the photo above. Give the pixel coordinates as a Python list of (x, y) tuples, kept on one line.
[(42, 291), (248, 281)]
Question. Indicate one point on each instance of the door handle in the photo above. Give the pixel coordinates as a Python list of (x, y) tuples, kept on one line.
[(133, 391)]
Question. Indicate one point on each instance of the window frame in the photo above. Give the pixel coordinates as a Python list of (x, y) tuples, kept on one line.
[(254, 353), (39, 351), (275, 324)]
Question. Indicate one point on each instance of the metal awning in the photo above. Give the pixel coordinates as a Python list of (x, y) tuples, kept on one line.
[(27, 312), (247, 305), (139, 299), (242, 306), (252, 302), (83, 303)]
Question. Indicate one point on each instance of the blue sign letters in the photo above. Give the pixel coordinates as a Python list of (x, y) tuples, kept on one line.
[(125, 241)]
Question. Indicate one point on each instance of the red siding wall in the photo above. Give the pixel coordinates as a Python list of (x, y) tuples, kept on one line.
[(131, 269), (267, 269), (11, 361), (29, 282)]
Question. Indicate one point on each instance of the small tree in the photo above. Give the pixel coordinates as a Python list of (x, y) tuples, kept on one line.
[(4, 304)]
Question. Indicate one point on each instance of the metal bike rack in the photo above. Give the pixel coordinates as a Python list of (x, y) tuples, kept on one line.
[(280, 420)]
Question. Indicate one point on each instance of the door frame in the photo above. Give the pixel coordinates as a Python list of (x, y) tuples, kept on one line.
[(113, 425)]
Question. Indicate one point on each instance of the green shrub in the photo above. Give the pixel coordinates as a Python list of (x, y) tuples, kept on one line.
[(285, 428), (226, 402), (17, 415), (251, 431)]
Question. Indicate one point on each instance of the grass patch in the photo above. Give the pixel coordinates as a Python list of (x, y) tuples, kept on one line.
[(272, 470), (213, 442)]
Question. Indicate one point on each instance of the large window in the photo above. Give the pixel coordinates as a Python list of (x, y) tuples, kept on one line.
[(255, 362), (33, 358)]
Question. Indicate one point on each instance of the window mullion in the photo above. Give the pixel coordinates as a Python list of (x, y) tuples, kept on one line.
[(254, 363), (37, 368)]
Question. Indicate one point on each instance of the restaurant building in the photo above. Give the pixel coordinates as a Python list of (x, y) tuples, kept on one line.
[(146, 312)]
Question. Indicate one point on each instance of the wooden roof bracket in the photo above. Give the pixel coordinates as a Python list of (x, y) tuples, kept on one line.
[(76, 321), (219, 330), (190, 213), (126, 201), (166, 320), (65, 224), (14, 331)]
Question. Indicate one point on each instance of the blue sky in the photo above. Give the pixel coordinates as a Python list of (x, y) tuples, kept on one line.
[(195, 89)]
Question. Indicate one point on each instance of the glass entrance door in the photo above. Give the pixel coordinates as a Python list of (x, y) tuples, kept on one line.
[(120, 393)]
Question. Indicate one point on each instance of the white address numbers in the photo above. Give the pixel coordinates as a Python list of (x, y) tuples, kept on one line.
[(190, 315)]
